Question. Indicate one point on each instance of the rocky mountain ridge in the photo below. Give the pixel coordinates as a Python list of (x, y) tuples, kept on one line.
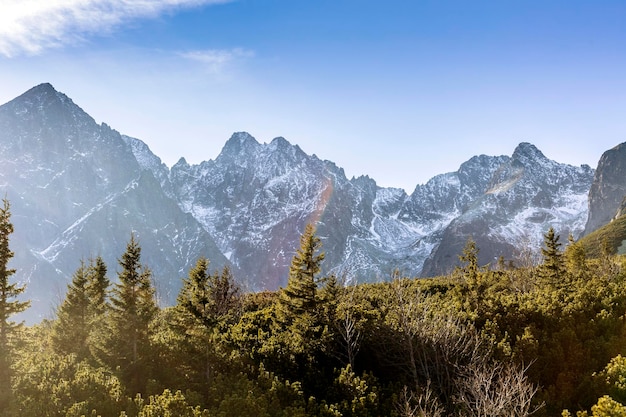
[(78, 190)]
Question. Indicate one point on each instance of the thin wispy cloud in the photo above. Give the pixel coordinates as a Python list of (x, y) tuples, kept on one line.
[(216, 60), (32, 26)]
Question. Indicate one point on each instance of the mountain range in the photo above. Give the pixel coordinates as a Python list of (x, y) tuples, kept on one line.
[(78, 189)]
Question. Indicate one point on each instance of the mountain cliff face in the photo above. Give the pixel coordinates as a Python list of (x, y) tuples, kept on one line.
[(526, 195), (608, 188), (255, 199), (78, 190)]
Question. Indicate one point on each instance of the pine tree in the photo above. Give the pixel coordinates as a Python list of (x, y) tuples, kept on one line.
[(225, 294), (71, 329), (206, 305), (133, 308), (299, 325), (193, 297), (551, 269), (470, 258), (575, 257), (97, 288), (300, 294), (9, 305), (83, 307), (475, 278), (208, 297)]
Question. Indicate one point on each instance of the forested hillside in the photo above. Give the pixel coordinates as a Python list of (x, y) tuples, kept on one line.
[(509, 339)]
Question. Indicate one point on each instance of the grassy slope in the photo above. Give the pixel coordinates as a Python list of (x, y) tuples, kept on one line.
[(613, 234)]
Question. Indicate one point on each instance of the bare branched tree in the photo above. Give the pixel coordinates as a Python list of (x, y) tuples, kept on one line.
[(431, 344), (422, 404), (347, 325), (499, 389)]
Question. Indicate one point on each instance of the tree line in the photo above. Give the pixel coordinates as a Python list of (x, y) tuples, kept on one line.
[(485, 340)]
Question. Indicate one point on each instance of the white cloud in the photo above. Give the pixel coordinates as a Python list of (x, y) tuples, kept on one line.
[(217, 59), (31, 26)]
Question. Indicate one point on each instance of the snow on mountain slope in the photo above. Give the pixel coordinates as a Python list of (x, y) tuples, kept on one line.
[(526, 196), (256, 198), (78, 189)]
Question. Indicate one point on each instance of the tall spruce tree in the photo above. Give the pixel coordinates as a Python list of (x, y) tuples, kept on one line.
[(209, 297), (71, 329), (552, 268), (9, 305), (575, 258), (193, 298), (300, 295), (469, 257), (299, 327), (83, 307), (205, 304), (98, 288), (133, 307)]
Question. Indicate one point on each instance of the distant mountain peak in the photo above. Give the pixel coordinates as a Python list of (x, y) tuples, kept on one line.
[(181, 162), (528, 151), (280, 141), (242, 138), (42, 88), (44, 101), (44, 92), (239, 143)]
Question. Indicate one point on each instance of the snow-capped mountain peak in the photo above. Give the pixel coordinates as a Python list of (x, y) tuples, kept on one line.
[(79, 189)]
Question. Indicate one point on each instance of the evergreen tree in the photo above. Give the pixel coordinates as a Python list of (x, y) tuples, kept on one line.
[(193, 297), (71, 329), (551, 269), (225, 294), (97, 288), (300, 294), (299, 332), (470, 258), (575, 257), (133, 308), (209, 297), (475, 285), (205, 308), (9, 305), (83, 307)]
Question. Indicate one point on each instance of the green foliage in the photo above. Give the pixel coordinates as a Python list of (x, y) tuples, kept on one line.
[(49, 385), (9, 305), (170, 405), (133, 308), (470, 271), (97, 288), (358, 396), (478, 341), (609, 237), (209, 298), (299, 297), (608, 407), (575, 258), (84, 306), (613, 378), (551, 269)]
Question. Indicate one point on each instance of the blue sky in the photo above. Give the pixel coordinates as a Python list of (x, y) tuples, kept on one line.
[(399, 90)]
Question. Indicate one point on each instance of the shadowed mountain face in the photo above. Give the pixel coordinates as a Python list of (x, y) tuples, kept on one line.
[(608, 188), (79, 189)]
